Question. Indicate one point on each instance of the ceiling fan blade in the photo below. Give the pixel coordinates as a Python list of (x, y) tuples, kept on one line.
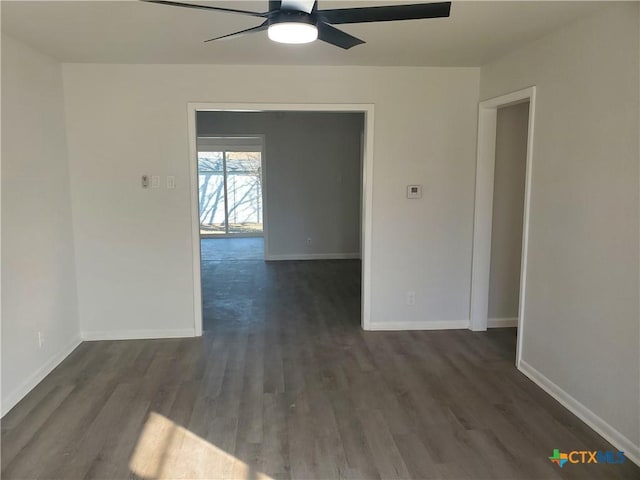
[(298, 5), (385, 14), (259, 28), (336, 37), (206, 7)]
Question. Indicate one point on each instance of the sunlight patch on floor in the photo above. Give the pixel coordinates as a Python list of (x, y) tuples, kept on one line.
[(168, 450)]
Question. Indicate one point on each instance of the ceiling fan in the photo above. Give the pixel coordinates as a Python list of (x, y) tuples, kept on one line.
[(300, 21)]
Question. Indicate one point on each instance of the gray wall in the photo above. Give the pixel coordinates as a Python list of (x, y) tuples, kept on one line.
[(508, 208), (424, 133), (38, 267), (581, 314), (313, 172)]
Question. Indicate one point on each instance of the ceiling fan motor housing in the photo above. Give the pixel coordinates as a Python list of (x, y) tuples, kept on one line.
[(292, 16)]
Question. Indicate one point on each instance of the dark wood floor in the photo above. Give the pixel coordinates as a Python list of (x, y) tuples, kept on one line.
[(285, 384)]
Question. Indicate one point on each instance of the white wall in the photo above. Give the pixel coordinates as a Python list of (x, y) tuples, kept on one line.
[(582, 312), (313, 178), (508, 209), (38, 270), (133, 245)]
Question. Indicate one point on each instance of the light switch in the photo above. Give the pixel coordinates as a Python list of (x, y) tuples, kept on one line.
[(414, 191), (171, 181), (155, 181)]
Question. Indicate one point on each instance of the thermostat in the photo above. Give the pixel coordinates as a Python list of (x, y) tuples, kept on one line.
[(414, 191)]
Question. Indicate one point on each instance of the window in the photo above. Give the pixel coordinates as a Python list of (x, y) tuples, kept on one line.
[(230, 185)]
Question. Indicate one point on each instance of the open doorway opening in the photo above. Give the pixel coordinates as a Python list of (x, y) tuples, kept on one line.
[(507, 222), (301, 185), (230, 196), (501, 222)]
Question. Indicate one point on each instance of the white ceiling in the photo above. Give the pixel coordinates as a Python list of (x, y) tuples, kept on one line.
[(136, 32)]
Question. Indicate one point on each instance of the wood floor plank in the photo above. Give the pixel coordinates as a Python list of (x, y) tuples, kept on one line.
[(416, 457), (274, 455), (352, 437), (386, 456), (31, 401), (120, 444), (250, 415), (16, 439), (50, 448), (82, 455)]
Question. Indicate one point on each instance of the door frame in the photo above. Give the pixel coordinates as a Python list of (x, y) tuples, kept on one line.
[(367, 182), (483, 214)]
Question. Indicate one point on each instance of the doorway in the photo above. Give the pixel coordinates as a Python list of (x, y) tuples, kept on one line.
[(508, 210), (224, 223), (492, 279), (230, 197)]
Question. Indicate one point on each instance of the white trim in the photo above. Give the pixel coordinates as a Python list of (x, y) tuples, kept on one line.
[(263, 189), (613, 436), (367, 182), (502, 322), (195, 221), (36, 377), (638, 179), (482, 221), (367, 217), (313, 256), (483, 212), (420, 325), (137, 334), (525, 222)]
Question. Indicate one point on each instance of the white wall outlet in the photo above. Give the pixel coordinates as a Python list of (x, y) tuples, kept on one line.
[(155, 181), (411, 297), (171, 181), (309, 241), (40, 339), (145, 181)]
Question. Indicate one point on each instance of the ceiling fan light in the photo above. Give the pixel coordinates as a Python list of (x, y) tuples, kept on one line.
[(293, 32)]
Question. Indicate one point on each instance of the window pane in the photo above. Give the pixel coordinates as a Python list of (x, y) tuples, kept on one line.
[(244, 187), (211, 192)]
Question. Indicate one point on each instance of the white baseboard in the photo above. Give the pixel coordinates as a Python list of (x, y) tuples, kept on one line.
[(138, 334), (34, 379), (613, 436), (419, 325), (313, 256), (502, 322)]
